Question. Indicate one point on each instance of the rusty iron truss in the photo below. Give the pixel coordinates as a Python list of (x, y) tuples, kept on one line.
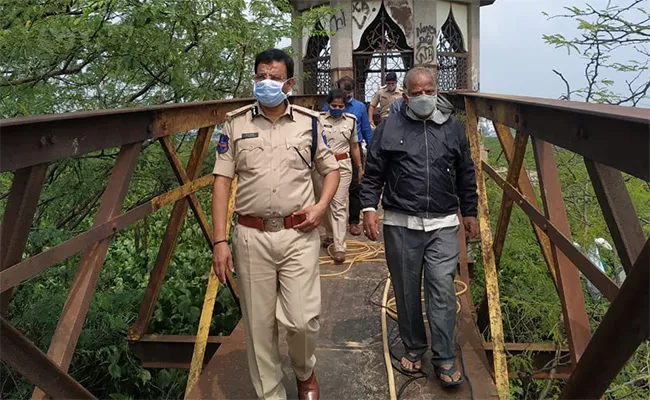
[(612, 140)]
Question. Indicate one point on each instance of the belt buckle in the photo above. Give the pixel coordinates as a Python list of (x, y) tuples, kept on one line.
[(273, 224)]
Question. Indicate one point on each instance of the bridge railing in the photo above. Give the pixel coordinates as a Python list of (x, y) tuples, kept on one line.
[(612, 140), (28, 146)]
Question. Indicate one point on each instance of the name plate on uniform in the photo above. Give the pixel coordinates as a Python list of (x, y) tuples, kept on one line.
[(250, 135)]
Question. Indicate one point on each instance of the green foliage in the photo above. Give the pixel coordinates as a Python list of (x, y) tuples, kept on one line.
[(89, 54), (604, 36), (102, 361), (529, 302)]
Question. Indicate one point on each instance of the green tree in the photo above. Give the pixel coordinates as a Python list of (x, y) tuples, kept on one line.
[(68, 55), (620, 27)]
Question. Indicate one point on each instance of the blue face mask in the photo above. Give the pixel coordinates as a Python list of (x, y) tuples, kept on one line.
[(269, 92), (336, 112)]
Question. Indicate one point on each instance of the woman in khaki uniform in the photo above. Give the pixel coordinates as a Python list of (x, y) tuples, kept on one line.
[(340, 130)]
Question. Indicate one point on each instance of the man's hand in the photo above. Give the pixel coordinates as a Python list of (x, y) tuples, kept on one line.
[(222, 259), (471, 226), (313, 215), (371, 225)]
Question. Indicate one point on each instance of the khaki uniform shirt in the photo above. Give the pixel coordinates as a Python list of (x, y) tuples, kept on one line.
[(340, 132), (272, 160), (384, 98)]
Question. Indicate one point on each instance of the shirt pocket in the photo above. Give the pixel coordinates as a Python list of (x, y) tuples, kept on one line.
[(249, 154), (298, 154), (346, 132)]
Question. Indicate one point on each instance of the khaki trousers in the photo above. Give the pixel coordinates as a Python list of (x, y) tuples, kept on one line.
[(279, 280), (336, 219)]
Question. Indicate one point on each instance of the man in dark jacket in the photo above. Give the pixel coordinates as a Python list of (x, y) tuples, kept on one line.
[(419, 158)]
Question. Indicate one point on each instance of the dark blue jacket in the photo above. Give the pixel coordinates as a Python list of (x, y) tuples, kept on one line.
[(423, 168)]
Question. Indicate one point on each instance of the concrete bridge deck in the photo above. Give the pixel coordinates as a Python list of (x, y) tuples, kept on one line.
[(350, 353)]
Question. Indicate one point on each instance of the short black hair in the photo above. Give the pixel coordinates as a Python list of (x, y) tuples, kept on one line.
[(345, 83), (270, 55), (337, 94), (391, 77)]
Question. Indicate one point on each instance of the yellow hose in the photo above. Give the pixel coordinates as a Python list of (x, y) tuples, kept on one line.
[(358, 251)]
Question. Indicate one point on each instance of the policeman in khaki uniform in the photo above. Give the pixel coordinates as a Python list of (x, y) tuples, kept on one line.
[(341, 133), (268, 145), (385, 96)]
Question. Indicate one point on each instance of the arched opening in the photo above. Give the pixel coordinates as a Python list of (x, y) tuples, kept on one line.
[(383, 48), (316, 64), (453, 61)]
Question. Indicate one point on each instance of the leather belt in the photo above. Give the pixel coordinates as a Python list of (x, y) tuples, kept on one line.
[(270, 224), (341, 156)]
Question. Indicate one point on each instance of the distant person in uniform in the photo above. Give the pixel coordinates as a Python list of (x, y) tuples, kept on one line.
[(341, 133), (385, 96), (358, 109), (275, 244), (419, 158)]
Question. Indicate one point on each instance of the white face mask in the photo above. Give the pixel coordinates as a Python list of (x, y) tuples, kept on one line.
[(423, 105)]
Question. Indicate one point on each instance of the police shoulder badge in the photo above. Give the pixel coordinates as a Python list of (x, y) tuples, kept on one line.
[(222, 146), (325, 139)]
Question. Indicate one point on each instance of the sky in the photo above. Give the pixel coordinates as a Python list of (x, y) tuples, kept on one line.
[(514, 59)]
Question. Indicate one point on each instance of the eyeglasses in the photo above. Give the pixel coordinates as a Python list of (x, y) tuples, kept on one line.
[(261, 77)]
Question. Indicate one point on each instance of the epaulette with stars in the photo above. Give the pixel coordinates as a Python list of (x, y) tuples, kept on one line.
[(305, 111), (241, 111)]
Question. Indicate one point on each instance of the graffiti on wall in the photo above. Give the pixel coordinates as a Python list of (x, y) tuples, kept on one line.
[(363, 13), (425, 36)]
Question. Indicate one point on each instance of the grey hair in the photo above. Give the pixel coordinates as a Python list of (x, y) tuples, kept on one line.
[(415, 72)]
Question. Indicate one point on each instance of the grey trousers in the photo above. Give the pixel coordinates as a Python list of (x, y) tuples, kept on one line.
[(409, 253)]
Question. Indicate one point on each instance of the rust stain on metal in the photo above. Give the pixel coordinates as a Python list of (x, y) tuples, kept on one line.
[(526, 189), (17, 219), (623, 328), (180, 192), (21, 354), (604, 284), (618, 211), (491, 278), (505, 211), (32, 266), (174, 226), (573, 303), (82, 289)]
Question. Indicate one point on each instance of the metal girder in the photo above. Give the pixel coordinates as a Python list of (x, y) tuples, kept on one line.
[(623, 328), (198, 211), (526, 189), (33, 140), (602, 282), (612, 135), (618, 210), (491, 279), (17, 219), (576, 321), (514, 172), (545, 357), (21, 354), (174, 226), (170, 351), (26, 269), (76, 306)]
